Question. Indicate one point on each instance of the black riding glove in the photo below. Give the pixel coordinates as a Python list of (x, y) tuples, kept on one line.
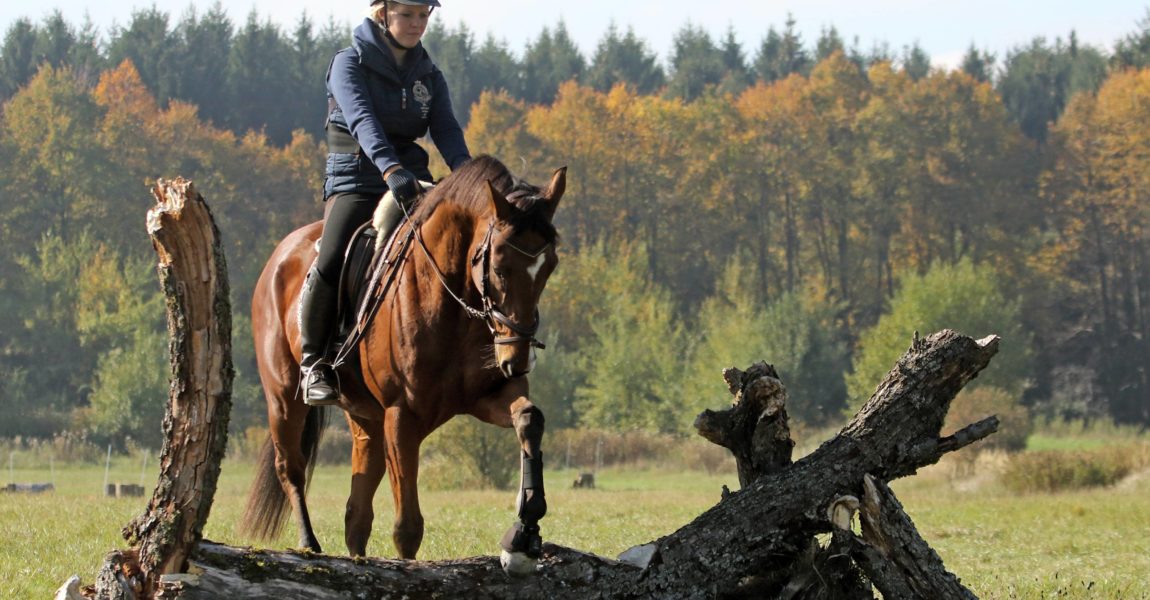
[(404, 186)]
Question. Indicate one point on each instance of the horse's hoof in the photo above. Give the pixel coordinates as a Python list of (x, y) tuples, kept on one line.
[(517, 564)]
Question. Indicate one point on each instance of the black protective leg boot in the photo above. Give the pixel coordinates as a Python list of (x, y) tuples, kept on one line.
[(317, 306)]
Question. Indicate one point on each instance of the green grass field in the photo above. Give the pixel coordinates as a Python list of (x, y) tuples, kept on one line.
[(1087, 544)]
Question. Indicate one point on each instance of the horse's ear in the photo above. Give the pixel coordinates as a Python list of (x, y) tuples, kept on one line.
[(499, 204), (555, 190)]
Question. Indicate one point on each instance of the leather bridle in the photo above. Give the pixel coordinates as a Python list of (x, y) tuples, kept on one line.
[(490, 313)]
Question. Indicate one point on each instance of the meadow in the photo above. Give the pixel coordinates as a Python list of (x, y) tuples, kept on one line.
[(1089, 543)]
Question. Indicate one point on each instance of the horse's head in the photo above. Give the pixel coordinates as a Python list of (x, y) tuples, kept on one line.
[(511, 266)]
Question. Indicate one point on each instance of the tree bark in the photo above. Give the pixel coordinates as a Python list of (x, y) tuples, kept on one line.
[(755, 429), (892, 553), (193, 275)]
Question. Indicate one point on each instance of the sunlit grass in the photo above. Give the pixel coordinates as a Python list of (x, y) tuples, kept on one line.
[(1085, 544)]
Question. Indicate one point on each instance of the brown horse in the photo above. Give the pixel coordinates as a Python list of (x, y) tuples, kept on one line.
[(454, 335)]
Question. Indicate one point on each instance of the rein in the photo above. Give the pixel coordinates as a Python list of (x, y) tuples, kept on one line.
[(490, 314)]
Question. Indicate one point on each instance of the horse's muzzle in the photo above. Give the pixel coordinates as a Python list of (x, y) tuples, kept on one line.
[(507, 367)]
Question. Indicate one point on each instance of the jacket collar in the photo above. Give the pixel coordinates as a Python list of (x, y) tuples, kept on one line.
[(376, 55)]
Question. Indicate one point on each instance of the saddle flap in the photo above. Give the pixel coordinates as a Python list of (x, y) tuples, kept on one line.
[(368, 271), (356, 264)]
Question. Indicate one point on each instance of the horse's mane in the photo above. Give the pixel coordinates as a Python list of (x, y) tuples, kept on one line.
[(466, 188)]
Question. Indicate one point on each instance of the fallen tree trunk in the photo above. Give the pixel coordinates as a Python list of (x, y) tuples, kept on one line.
[(756, 542)]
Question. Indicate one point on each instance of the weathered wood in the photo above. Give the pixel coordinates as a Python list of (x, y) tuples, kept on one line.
[(893, 554), (222, 571), (193, 275), (755, 429), (754, 543)]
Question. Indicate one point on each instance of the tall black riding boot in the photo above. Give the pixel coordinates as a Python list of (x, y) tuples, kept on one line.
[(317, 306)]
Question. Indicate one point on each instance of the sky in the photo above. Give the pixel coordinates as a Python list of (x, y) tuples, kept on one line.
[(944, 29)]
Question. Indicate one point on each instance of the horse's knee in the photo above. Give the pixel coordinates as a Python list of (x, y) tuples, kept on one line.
[(408, 535), (529, 424)]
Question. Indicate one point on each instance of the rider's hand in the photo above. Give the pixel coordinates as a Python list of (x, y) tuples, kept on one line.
[(404, 186)]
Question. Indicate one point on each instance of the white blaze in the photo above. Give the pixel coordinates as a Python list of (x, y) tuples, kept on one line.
[(533, 270)]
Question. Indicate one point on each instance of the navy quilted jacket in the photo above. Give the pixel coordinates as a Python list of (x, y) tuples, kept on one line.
[(385, 108)]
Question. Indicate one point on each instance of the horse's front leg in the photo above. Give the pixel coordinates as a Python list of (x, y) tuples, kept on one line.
[(368, 465), (403, 434), (522, 545)]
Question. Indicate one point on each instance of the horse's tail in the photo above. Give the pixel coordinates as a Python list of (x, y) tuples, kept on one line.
[(268, 506)]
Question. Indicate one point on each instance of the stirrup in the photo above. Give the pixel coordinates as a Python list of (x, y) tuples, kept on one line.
[(320, 386)]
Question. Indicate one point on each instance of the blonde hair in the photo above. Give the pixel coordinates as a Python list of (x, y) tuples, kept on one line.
[(375, 11)]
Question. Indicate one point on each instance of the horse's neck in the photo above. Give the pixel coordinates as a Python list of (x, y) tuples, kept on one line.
[(449, 234)]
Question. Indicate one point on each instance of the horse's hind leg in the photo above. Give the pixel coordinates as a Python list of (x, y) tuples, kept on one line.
[(522, 544), (288, 434), (368, 465)]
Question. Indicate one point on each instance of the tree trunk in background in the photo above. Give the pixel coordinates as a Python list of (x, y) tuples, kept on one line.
[(193, 275)]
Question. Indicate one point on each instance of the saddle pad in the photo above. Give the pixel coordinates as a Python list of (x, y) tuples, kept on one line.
[(388, 200)]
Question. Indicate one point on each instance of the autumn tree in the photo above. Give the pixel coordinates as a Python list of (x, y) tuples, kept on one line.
[(49, 131), (770, 178), (836, 92), (77, 164), (498, 127), (965, 156), (1097, 188)]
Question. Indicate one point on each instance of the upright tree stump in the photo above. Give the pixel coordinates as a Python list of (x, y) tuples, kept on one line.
[(194, 278)]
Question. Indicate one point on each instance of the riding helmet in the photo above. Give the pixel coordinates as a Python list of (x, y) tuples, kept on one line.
[(431, 3)]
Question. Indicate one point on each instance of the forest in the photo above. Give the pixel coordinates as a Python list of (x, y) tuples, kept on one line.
[(831, 198)]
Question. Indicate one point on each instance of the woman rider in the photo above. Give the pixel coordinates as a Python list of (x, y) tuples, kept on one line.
[(383, 93)]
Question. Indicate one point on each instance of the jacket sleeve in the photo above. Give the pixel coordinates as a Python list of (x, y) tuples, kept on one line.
[(348, 87), (444, 127)]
